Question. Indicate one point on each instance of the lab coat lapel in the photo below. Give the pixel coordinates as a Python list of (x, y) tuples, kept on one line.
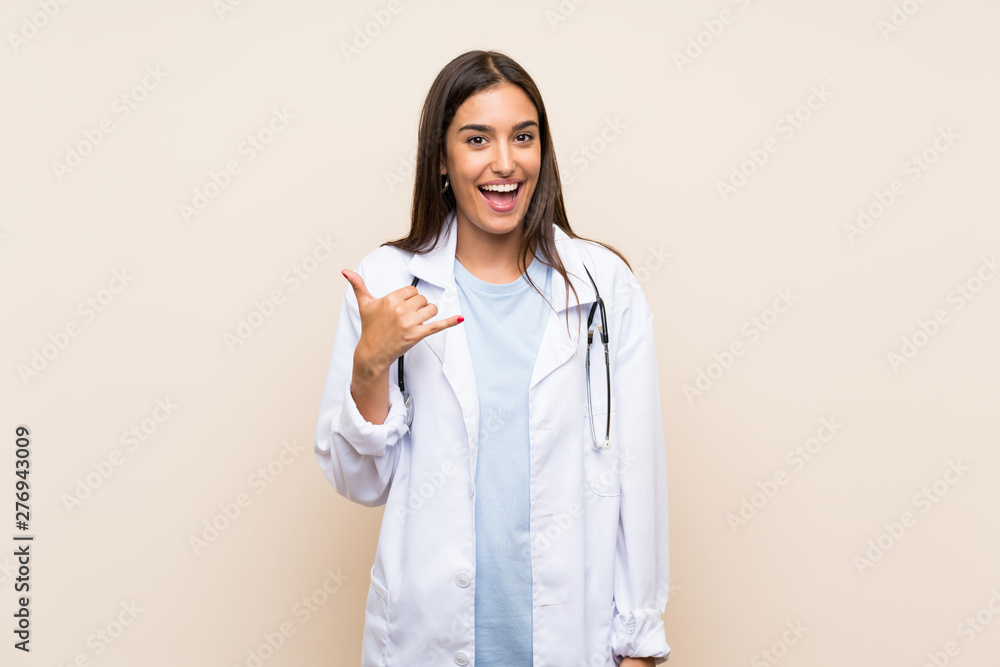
[(436, 270), (558, 345)]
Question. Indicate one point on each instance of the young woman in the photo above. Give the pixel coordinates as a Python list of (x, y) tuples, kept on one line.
[(523, 477)]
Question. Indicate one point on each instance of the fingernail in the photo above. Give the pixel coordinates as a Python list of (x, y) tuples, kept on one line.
[(461, 319), (344, 273)]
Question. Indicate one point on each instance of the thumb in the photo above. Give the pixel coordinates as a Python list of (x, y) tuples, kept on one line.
[(360, 290)]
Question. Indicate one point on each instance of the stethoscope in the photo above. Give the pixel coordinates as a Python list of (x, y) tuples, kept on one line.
[(601, 330)]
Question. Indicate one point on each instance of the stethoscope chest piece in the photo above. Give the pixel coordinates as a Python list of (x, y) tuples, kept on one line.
[(408, 402)]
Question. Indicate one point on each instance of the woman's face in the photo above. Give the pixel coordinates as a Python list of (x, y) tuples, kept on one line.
[(493, 139)]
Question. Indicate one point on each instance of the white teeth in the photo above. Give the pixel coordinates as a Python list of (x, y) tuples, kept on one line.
[(499, 188)]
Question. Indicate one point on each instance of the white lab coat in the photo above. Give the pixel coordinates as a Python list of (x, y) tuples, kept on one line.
[(598, 519)]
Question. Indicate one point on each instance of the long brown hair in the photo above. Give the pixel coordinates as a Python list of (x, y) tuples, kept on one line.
[(466, 75)]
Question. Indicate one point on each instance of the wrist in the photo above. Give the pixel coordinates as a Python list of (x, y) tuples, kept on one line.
[(637, 662), (366, 369)]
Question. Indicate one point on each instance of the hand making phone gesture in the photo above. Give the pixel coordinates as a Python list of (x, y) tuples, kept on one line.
[(389, 327)]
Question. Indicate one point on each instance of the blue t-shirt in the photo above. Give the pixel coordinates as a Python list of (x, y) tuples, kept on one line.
[(504, 326)]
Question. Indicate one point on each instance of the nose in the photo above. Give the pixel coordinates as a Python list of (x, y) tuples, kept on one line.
[(503, 161)]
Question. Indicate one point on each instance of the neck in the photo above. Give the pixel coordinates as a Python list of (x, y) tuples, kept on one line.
[(490, 257)]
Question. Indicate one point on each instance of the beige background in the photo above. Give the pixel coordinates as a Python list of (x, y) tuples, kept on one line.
[(338, 171)]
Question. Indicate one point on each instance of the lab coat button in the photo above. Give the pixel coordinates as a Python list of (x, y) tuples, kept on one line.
[(463, 579), (462, 658)]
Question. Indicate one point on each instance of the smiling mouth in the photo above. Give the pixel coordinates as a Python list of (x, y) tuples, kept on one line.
[(501, 197)]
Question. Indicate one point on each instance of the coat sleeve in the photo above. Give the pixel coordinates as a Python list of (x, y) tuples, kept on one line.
[(358, 457), (641, 578)]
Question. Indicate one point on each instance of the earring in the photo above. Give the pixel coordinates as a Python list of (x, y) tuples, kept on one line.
[(445, 188)]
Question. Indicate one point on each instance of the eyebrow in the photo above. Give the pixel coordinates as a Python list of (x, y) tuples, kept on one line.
[(489, 128)]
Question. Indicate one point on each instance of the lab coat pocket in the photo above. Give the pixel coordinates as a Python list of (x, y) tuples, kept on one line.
[(376, 636), (600, 465)]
